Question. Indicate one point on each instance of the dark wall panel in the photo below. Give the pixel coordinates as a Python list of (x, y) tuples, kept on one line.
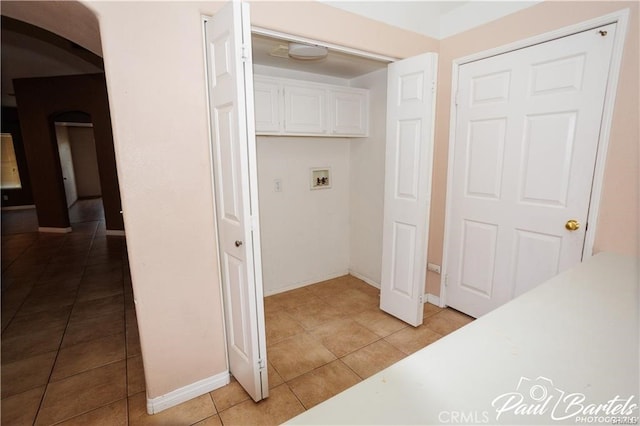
[(39, 101)]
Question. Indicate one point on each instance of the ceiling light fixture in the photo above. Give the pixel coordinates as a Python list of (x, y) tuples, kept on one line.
[(307, 52)]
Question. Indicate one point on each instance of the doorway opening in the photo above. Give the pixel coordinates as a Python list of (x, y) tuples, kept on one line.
[(308, 235), (79, 166), (293, 110)]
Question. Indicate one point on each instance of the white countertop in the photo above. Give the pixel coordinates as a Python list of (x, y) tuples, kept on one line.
[(579, 330)]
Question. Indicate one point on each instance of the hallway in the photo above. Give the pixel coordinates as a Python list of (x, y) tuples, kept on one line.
[(69, 333)]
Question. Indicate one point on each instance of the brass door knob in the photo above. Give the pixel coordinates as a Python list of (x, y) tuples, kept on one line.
[(572, 225)]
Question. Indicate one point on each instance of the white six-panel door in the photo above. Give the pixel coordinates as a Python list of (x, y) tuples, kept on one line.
[(230, 84), (407, 193), (526, 138)]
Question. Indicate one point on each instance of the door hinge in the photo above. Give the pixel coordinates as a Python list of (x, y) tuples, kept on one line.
[(245, 52), (433, 86), (446, 280), (261, 364), (456, 99)]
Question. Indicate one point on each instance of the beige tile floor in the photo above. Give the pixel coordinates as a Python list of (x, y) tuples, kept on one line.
[(71, 352)]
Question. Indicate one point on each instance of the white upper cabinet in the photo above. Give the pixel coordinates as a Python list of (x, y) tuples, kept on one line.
[(267, 105), (300, 108), (349, 111), (304, 109)]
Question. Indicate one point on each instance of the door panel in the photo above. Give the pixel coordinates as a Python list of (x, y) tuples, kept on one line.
[(527, 129), (409, 148), (547, 158), (233, 154), (66, 164)]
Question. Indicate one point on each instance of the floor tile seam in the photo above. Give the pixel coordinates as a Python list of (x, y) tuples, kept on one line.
[(213, 401), (297, 397), (84, 342), (335, 358), (23, 391), (391, 343), (44, 394), (57, 422), (438, 333), (354, 350), (94, 339), (346, 317), (45, 327), (283, 310), (373, 331), (208, 417), (31, 289), (22, 252), (96, 409), (83, 300), (61, 379), (365, 346), (287, 382), (274, 367)]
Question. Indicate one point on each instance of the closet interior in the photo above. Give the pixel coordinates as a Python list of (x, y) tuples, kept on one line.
[(320, 118)]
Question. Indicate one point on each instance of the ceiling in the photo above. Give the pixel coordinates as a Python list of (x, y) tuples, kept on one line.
[(28, 52), (37, 52), (420, 16), (272, 52)]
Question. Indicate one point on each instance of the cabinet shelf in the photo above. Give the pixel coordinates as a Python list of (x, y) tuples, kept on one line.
[(300, 108)]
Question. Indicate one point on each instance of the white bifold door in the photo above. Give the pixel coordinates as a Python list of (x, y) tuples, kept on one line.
[(407, 192), (526, 137), (230, 81)]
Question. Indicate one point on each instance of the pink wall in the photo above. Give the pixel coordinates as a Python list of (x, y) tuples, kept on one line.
[(154, 63), (618, 222)]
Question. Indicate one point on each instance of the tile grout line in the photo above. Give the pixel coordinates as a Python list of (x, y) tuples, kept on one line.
[(22, 252), (84, 268), (37, 280), (126, 346)]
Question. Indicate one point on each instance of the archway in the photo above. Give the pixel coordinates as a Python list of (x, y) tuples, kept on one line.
[(40, 101)]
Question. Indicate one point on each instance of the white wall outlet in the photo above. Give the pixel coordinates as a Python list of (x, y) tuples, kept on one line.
[(277, 185), (433, 268), (320, 178)]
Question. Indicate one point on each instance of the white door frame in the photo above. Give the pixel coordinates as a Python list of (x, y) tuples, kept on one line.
[(332, 46), (620, 17), (288, 37)]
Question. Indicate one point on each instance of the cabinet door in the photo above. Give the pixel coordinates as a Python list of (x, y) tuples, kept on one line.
[(305, 109), (349, 112), (267, 105)]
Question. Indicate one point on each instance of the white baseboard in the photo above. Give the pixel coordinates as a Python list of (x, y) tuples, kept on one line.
[(305, 283), (115, 232), (25, 207), (54, 230), (194, 390), (432, 298), (365, 279)]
